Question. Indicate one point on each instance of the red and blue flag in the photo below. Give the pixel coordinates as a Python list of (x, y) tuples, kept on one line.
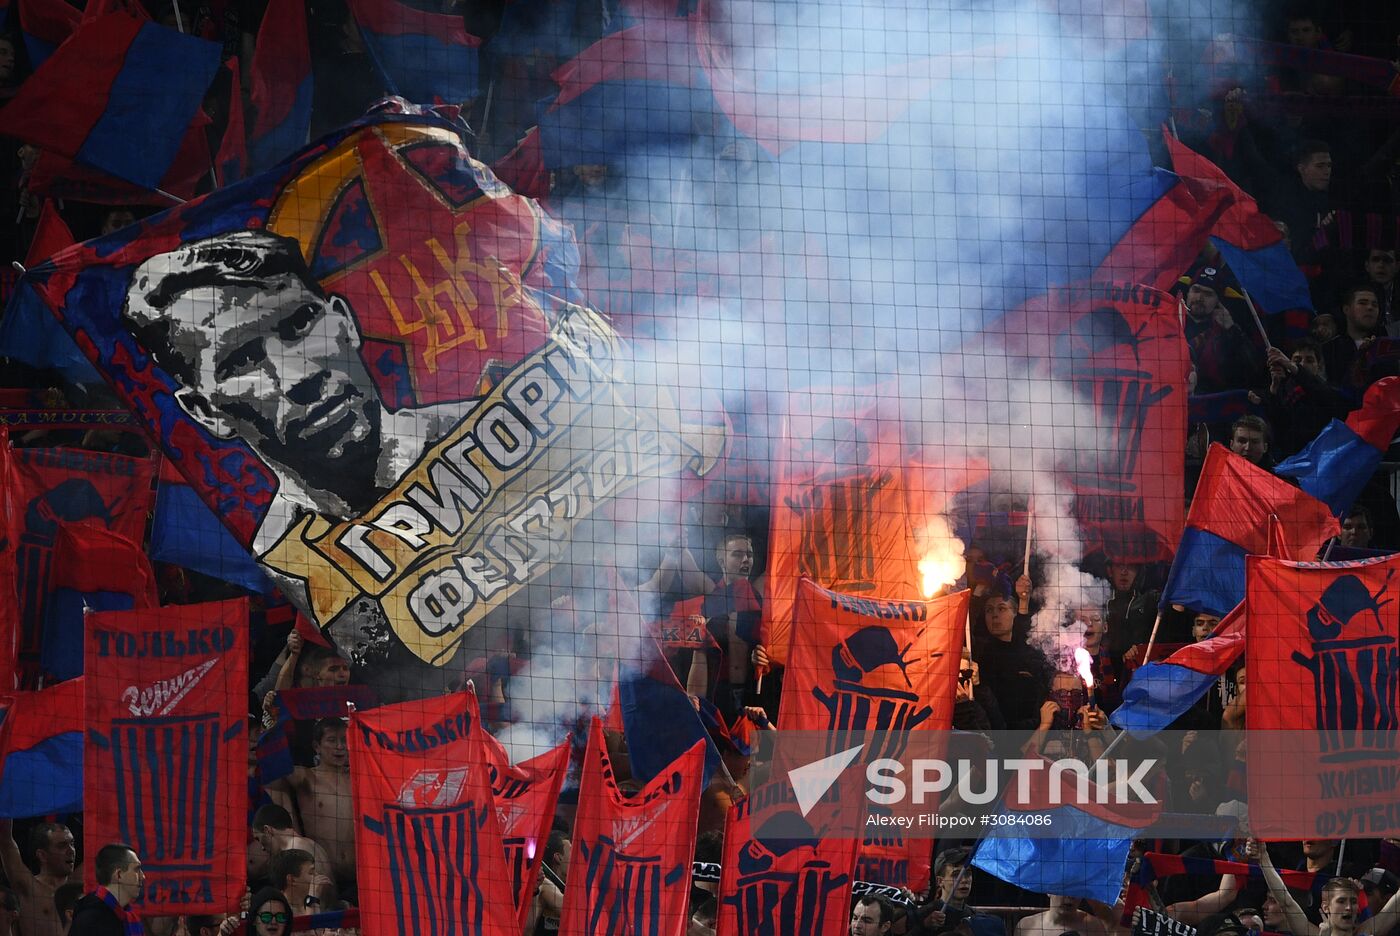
[(41, 743), (1336, 465), (118, 96), (45, 25), (28, 331), (1238, 507), (281, 85), (631, 91), (1253, 247), (1160, 693), (428, 58)]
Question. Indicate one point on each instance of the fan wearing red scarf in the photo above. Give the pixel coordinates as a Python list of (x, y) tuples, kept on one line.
[(105, 912)]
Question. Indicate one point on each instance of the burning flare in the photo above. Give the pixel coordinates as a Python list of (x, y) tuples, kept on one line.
[(942, 564), (1084, 663)]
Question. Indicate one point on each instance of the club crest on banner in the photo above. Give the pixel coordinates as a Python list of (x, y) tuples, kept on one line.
[(370, 369)]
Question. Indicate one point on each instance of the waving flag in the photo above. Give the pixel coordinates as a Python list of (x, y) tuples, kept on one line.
[(1088, 853), (1323, 659), (783, 877), (41, 743), (167, 750), (631, 92), (232, 158), (1253, 247), (94, 570), (1187, 208), (28, 332), (281, 85), (630, 867), (429, 58), (55, 176), (526, 797), (660, 721), (186, 533), (1236, 506), (1160, 693), (1336, 465), (45, 25), (427, 836), (118, 96), (48, 489), (860, 665), (344, 235)]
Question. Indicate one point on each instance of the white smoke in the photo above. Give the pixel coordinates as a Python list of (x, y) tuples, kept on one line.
[(875, 268)]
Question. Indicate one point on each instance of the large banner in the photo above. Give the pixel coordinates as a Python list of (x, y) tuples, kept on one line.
[(629, 872), (46, 489), (427, 839), (865, 665), (526, 797), (783, 877), (1120, 346), (1323, 663), (365, 363), (166, 762), (839, 514)]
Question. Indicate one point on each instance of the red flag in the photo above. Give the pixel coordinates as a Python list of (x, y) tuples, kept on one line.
[(1120, 346), (630, 867), (523, 168), (165, 767), (93, 570), (526, 796), (51, 235), (92, 560), (1378, 419), (51, 488), (783, 877), (839, 512), (866, 665), (427, 840), (1323, 659), (1239, 222)]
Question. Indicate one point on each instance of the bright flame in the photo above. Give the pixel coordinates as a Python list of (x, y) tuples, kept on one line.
[(939, 571), (942, 564), (530, 849), (1084, 662)]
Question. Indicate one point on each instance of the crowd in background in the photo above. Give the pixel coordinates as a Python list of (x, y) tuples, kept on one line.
[(1328, 174)]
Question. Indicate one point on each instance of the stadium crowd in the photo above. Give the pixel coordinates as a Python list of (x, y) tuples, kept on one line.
[(1309, 147)]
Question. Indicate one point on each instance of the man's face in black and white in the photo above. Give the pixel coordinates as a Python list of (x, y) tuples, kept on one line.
[(278, 365)]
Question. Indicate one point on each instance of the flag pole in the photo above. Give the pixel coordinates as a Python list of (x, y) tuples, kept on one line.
[(1152, 638), (1025, 600), (1255, 313)]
